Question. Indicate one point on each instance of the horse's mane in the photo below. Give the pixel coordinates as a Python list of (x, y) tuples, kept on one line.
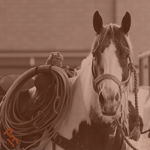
[(85, 62)]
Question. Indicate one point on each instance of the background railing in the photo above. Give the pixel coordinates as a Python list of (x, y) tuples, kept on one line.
[(142, 57), (16, 62)]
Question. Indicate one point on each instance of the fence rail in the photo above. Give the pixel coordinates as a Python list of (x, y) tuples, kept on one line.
[(141, 57), (17, 61)]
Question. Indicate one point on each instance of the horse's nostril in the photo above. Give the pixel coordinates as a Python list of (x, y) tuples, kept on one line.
[(117, 97), (101, 98)]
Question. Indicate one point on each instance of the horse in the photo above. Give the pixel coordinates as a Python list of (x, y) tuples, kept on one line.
[(99, 96)]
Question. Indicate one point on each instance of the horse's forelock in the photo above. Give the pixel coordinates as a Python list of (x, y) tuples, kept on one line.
[(112, 32), (122, 40)]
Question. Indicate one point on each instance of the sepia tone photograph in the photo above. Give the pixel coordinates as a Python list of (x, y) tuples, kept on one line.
[(74, 75)]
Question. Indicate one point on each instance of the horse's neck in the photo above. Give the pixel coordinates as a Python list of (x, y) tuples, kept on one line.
[(83, 95)]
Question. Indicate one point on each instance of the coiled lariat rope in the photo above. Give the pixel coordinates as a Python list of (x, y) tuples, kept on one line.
[(48, 120)]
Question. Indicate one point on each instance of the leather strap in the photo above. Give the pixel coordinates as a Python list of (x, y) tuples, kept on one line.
[(67, 144)]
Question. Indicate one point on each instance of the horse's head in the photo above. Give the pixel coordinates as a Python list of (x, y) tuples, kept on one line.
[(111, 50)]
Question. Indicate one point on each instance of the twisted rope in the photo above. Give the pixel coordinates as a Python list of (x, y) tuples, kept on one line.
[(135, 134), (131, 66), (46, 120)]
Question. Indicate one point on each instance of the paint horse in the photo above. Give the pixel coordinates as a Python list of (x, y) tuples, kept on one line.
[(99, 95)]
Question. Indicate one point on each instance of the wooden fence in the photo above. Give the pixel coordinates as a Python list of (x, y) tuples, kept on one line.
[(16, 62)]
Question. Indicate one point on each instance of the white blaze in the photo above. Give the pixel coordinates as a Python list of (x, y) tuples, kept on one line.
[(111, 65)]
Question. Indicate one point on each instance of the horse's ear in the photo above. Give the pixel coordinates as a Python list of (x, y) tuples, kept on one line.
[(126, 23), (97, 22)]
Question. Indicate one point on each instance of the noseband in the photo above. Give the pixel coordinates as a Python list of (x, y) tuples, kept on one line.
[(112, 77), (100, 78)]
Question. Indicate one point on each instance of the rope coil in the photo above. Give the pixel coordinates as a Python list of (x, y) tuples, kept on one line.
[(50, 121)]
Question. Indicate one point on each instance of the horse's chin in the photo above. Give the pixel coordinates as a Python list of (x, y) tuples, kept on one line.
[(108, 119), (104, 113), (101, 117), (109, 109)]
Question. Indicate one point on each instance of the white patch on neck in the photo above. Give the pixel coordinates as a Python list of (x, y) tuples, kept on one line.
[(83, 97)]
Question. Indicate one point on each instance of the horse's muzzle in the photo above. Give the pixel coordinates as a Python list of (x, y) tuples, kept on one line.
[(109, 106), (108, 114)]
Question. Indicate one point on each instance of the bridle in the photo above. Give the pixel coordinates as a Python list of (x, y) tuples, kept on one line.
[(135, 134), (100, 78)]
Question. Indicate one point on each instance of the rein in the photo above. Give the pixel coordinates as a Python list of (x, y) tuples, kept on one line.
[(135, 134)]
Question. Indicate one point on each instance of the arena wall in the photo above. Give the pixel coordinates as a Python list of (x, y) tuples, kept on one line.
[(36, 28)]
